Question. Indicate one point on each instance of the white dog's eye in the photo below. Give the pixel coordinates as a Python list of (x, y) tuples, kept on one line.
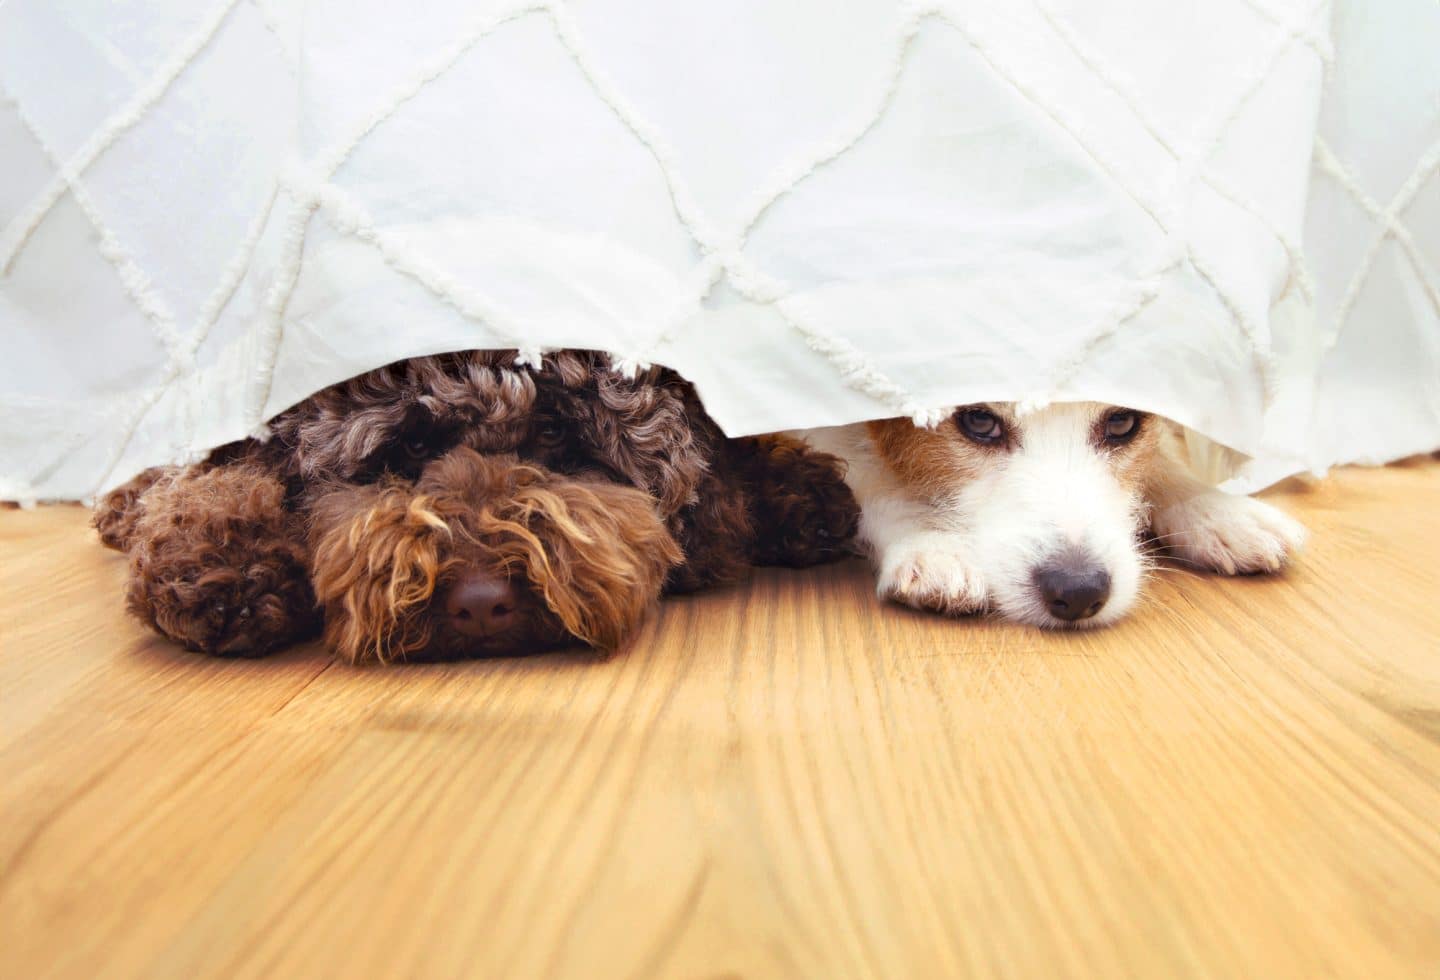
[(1122, 426), (979, 425)]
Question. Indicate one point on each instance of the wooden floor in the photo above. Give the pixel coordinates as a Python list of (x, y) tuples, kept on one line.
[(783, 779)]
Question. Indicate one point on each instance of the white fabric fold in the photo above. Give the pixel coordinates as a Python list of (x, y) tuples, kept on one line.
[(1225, 211)]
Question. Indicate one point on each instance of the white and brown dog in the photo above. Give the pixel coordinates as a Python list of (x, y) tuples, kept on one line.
[(1042, 515)]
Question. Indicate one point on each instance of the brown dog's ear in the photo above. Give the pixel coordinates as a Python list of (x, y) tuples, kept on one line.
[(596, 553), (650, 434), (376, 560)]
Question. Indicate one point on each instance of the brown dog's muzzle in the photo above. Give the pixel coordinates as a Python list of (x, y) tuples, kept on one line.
[(484, 555)]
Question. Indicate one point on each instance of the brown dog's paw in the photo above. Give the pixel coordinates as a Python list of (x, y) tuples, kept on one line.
[(226, 610), (218, 565), (804, 512)]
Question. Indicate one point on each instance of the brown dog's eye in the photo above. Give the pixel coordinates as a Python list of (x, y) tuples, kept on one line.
[(1122, 426), (979, 425), (417, 447), (550, 434)]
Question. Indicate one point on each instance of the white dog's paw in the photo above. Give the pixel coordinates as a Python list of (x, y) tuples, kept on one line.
[(931, 571), (1228, 533)]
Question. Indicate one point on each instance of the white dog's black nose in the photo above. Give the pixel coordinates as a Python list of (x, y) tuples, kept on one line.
[(1073, 592)]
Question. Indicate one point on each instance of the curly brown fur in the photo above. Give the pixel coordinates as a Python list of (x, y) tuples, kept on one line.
[(574, 415), (217, 563), (593, 556), (116, 512), (416, 468), (574, 412)]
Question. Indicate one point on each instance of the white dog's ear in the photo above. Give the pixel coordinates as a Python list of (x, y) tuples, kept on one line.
[(1205, 459)]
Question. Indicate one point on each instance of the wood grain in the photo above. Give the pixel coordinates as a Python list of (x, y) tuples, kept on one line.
[(781, 779)]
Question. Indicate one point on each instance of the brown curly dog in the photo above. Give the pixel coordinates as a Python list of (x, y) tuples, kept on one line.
[(463, 505)]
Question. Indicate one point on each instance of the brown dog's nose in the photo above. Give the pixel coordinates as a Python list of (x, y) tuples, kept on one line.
[(481, 604), (1073, 593)]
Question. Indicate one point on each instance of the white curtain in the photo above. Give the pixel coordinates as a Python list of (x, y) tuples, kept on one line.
[(1225, 211)]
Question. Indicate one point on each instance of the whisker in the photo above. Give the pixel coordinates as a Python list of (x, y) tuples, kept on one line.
[(1184, 562), (1160, 556), (1188, 573)]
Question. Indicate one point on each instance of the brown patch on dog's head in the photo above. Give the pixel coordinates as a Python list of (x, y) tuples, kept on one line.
[(591, 557), (932, 463)]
